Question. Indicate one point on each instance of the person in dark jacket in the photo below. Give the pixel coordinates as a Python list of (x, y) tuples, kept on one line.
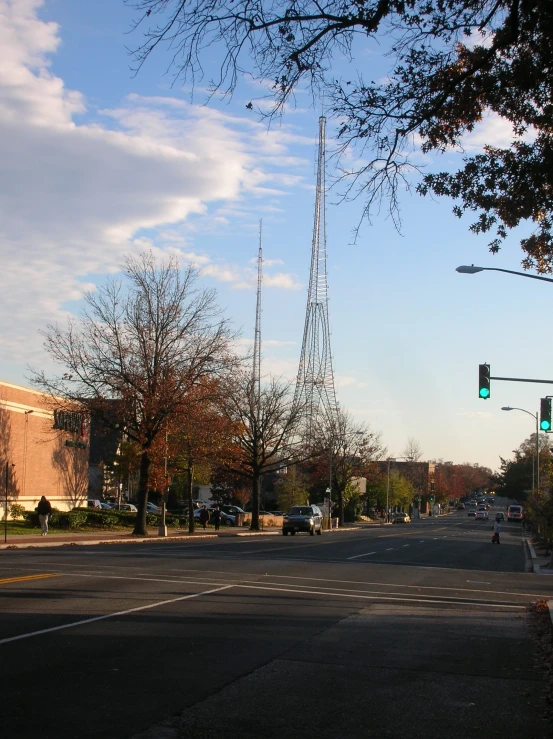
[(44, 509), (216, 518), (204, 516)]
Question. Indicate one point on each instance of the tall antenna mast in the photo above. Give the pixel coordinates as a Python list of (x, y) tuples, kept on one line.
[(315, 390), (256, 378)]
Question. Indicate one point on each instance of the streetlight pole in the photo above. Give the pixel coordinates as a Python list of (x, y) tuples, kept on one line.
[(537, 452), (330, 487), (467, 269), (162, 530)]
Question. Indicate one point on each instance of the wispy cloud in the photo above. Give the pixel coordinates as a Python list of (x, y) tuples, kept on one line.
[(77, 197)]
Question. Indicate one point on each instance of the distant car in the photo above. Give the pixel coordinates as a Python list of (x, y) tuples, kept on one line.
[(401, 518), (460, 506), (94, 504), (128, 507), (472, 511), (500, 516), (482, 515), (152, 507), (303, 518), (515, 513), (105, 506)]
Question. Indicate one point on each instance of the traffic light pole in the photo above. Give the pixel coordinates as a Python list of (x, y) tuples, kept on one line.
[(522, 379)]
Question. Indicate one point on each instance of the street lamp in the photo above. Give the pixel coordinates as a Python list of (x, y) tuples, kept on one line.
[(390, 459), (470, 269), (537, 452)]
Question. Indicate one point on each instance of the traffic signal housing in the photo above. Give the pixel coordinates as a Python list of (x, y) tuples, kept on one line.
[(545, 414), (484, 381)]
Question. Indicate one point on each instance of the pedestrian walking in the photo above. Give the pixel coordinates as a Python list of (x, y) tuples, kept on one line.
[(44, 509), (496, 532), (204, 516), (216, 517)]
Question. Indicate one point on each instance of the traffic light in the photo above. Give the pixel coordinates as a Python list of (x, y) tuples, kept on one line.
[(484, 381), (545, 414)]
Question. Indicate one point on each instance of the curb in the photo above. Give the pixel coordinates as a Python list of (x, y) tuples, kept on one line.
[(41, 543), (139, 540)]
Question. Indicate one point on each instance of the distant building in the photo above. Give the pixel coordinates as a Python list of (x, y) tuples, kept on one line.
[(34, 450), (420, 475)]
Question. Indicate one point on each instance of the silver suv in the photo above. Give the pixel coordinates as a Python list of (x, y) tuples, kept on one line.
[(303, 518)]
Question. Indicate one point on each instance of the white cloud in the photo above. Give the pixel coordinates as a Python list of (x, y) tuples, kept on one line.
[(345, 381), (75, 197), (493, 131)]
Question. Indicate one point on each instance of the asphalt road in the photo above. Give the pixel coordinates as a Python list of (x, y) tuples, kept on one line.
[(404, 631)]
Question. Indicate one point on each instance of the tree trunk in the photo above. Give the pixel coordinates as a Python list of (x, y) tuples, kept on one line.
[(256, 486), (190, 497), (140, 523)]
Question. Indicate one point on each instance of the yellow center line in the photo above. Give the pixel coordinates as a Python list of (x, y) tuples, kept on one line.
[(23, 578)]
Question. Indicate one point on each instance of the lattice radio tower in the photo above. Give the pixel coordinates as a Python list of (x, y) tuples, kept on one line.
[(256, 376), (315, 383)]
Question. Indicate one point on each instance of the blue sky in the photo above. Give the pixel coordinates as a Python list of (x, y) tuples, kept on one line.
[(99, 163)]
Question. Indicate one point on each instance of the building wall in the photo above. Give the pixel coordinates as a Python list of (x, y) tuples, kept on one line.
[(38, 462)]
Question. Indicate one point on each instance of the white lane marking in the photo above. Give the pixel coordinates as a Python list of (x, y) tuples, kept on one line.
[(224, 573), (422, 541), (111, 615), (389, 549), (367, 554), (383, 597), (405, 545), (479, 582)]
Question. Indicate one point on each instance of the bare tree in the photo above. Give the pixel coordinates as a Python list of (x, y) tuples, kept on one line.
[(350, 447), (265, 419), (412, 451), (136, 352), (452, 63)]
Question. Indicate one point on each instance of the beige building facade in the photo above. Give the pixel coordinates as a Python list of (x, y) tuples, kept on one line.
[(35, 458)]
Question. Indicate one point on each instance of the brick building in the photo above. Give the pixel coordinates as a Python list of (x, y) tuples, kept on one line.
[(34, 453)]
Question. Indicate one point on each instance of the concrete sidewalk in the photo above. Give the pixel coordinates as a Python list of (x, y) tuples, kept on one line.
[(540, 556)]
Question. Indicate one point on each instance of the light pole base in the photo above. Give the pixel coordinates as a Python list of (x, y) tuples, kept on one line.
[(162, 531)]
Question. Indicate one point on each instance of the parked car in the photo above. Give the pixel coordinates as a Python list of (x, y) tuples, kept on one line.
[(460, 506), (106, 506), (303, 518), (482, 515), (152, 507), (128, 507), (226, 518), (94, 504), (472, 511), (276, 513)]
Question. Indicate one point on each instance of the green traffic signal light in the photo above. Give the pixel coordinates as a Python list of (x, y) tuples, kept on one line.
[(545, 414), (484, 381)]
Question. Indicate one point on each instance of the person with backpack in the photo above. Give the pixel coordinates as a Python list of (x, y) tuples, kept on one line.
[(44, 509)]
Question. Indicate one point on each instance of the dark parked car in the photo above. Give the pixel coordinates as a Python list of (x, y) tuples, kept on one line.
[(303, 518)]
